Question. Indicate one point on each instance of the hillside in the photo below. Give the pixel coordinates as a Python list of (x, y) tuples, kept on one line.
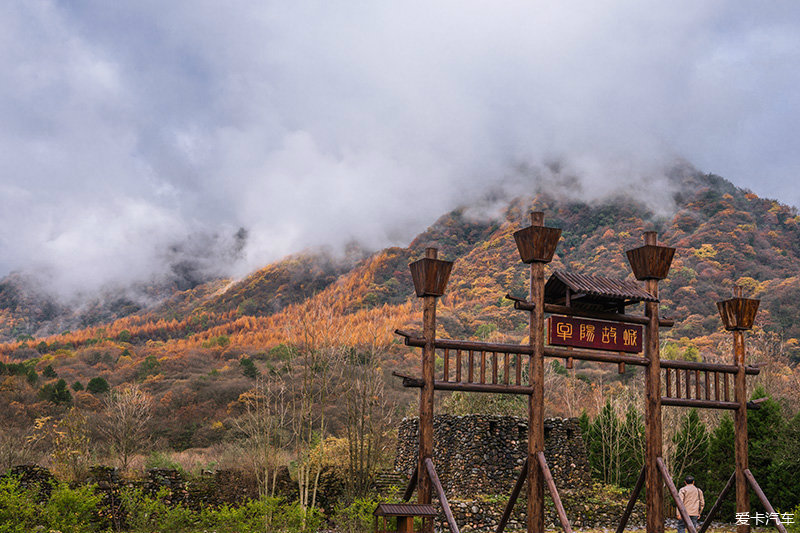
[(187, 351)]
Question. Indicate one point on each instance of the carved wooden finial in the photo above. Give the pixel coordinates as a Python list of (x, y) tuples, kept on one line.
[(537, 243), (430, 275), (650, 261), (738, 313)]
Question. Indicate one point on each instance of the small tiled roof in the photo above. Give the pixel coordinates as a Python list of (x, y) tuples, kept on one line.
[(405, 509), (595, 291)]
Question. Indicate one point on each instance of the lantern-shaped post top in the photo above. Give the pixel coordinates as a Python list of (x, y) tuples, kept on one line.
[(738, 313), (651, 261), (537, 243), (430, 274)]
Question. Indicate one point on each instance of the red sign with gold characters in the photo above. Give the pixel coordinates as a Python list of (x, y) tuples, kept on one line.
[(594, 334)]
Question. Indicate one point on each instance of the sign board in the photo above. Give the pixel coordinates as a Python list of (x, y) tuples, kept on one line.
[(594, 334)]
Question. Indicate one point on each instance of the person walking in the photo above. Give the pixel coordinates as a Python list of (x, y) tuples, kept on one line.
[(693, 501)]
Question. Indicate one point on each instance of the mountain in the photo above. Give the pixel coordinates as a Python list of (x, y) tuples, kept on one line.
[(188, 345)]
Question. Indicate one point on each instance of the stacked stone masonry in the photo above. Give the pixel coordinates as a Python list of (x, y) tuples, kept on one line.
[(479, 457)]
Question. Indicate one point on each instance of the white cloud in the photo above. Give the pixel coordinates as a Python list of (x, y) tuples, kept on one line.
[(128, 127)]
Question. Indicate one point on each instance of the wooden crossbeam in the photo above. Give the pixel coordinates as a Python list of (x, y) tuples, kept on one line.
[(551, 484), (674, 492), (717, 504), (763, 497), (632, 501), (437, 486), (512, 500)]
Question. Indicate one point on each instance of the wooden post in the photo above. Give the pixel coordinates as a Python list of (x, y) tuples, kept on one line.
[(651, 263), (738, 315), (426, 397), (535, 522), (740, 435), (430, 277), (536, 245)]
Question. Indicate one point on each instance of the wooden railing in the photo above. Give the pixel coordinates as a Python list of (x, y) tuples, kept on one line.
[(482, 366)]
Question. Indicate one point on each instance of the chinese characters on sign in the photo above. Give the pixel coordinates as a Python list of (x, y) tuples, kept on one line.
[(582, 333), (743, 519)]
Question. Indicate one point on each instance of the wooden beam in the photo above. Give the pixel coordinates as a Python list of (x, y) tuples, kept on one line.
[(587, 355), (524, 305), (437, 485), (426, 395), (412, 484), (763, 497), (632, 501), (707, 404), (413, 382), (740, 429), (674, 492), (592, 355), (551, 484), (717, 504), (512, 500)]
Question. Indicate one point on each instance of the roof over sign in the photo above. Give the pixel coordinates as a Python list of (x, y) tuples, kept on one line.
[(594, 292), (405, 509)]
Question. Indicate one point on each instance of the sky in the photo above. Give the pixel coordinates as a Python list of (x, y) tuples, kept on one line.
[(135, 135)]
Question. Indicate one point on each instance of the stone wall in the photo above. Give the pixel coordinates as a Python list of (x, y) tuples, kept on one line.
[(483, 454), (478, 459)]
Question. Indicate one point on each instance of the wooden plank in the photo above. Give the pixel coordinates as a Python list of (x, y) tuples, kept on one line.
[(677, 383), (675, 497), (412, 484), (495, 355), (688, 383), (446, 364), (716, 386), (668, 375), (725, 379), (590, 355), (708, 386), (692, 402), (483, 366), (409, 381), (518, 365), (717, 504), (437, 485), (471, 367), (631, 501), (697, 384), (761, 496), (512, 500), (551, 484), (458, 365), (505, 368)]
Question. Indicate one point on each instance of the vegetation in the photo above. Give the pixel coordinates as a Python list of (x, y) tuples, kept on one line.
[(289, 368)]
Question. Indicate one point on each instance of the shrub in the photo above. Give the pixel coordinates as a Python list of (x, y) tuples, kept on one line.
[(72, 510), (57, 393), (356, 517), (97, 385), (17, 507)]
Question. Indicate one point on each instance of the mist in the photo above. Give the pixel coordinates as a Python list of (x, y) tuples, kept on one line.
[(131, 132)]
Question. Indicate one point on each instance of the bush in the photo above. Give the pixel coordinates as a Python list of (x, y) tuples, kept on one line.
[(72, 510), (67, 510), (57, 393), (17, 507), (356, 517), (97, 385)]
